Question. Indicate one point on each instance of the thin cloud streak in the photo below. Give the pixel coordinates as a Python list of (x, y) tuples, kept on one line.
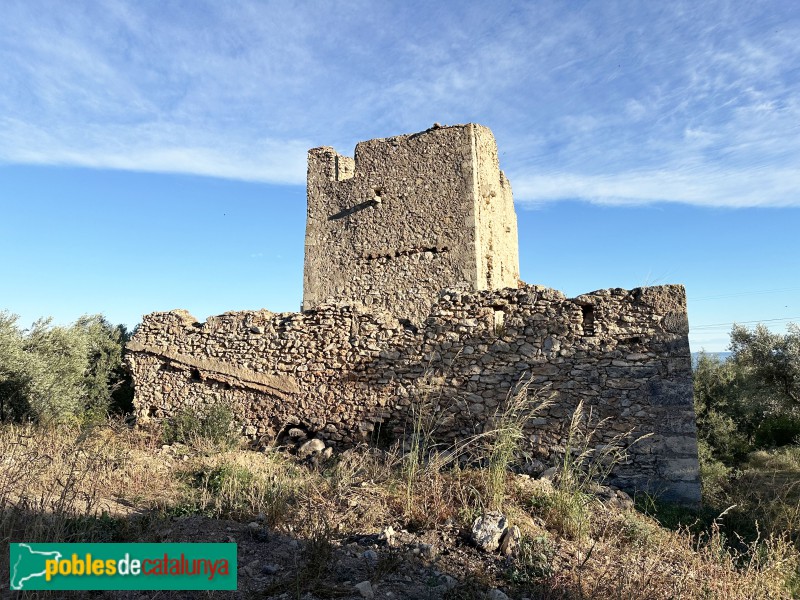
[(612, 103), (157, 150), (735, 188)]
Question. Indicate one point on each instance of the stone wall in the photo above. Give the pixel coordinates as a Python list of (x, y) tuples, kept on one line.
[(342, 371), (406, 217)]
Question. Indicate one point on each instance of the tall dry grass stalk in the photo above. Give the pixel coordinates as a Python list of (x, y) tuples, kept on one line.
[(503, 443), (583, 466), (55, 483), (500, 445)]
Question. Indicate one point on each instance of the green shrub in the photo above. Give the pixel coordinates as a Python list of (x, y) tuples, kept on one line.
[(778, 430), (57, 374), (226, 476), (214, 424), (752, 400), (714, 474)]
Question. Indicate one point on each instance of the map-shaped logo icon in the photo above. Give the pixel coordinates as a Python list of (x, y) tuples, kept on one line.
[(27, 564)]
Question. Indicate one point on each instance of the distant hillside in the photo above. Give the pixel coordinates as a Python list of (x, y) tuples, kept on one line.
[(719, 355)]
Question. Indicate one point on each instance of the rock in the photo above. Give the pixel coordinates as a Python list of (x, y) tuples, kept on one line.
[(365, 589), (296, 433), (387, 535), (311, 447), (270, 569), (613, 497), (370, 555), (487, 531), (327, 453), (625, 501), (603, 492), (495, 594), (535, 467), (509, 543), (549, 474), (253, 569)]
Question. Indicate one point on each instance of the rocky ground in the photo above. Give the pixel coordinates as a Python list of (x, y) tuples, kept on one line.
[(392, 564), (370, 523)]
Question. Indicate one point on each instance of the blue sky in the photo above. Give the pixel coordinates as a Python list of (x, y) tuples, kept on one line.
[(152, 153)]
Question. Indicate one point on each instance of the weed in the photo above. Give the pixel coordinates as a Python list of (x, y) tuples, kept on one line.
[(533, 561), (472, 587), (504, 438), (582, 467), (421, 442), (214, 424), (635, 530), (243, 486)]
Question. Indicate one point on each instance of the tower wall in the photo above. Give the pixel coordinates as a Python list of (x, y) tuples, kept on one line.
[(407, 216)]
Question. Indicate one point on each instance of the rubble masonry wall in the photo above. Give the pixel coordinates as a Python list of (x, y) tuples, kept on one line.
[(343, 372)]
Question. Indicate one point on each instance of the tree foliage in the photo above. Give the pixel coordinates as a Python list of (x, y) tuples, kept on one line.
[(752, 400), (50, 372), (773, 362)]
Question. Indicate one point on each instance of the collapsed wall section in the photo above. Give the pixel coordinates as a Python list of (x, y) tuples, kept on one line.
[(343, 373)]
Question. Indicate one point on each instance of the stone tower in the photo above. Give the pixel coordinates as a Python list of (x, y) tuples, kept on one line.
[(408, 216)]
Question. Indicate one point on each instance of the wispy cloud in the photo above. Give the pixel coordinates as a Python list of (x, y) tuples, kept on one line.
[(611, 103), (701, 185), (158, 149)]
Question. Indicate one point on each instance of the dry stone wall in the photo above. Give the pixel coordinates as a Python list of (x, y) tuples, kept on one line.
[(345, 371)]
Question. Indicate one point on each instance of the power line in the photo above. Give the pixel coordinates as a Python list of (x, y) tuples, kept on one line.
[(752, 293), (716, 325)]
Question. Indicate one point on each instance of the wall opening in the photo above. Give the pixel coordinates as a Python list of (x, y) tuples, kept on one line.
[(588, 319), (195, 375), (499, 323)]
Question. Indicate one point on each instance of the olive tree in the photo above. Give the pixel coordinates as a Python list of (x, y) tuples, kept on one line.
[(50, 372), (752, 400)]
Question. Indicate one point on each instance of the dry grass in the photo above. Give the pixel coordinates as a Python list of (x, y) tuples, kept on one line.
[(631, 557), (69, 485)]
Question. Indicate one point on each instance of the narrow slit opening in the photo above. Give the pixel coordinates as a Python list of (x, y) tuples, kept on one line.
[(588, 319)]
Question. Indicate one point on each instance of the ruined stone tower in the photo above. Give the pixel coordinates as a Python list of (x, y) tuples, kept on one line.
[(421, 228), (406, 217)]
